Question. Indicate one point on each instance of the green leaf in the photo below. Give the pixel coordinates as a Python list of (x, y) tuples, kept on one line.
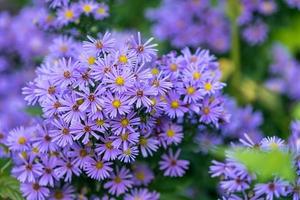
[(9, 186), (267, 164), (34, 111)]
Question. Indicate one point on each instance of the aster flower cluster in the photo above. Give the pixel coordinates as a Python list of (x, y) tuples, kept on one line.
[(185, 23), (108, 104), (238, 183), (182, 22), (285, 71), (21, 43), (57, 14), (240, 120)]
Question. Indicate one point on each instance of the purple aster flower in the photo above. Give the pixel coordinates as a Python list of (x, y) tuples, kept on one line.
[(71, 108), (101, 11), (235, 183), (142, 174), (116, 104), (43, 141), (128, 154), (210, 111), (276, 188), (61, 133), (57, 3), (119, 80), (175, 107), (84, 129), (124, 140), (125, 123), (120, 182), (162, 84), (18, 139), (102, 67), (80, 154), (98, 169), (172, 133), (172, 166), (270, 143), (87, 7), (63, 75), (67, 14), (28, 171), (145, 51), (141, 194), (106, 149), (256, 33), (48, 177), (148, 145), (66, 168), (63, 47), (140, 94), (65, 192), (96, 46), (33, 191)]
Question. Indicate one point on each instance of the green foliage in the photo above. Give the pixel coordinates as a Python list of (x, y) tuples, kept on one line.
[(34, 111), (267, 164), (9, 186)]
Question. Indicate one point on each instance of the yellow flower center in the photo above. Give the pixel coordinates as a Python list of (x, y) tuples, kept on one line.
[(170, 133), (123, 59), (155, 71), (58, 195), (79, 102), (99, 165), (153, 101), (22, 140), (63, 48), (101, 11), (173, 67), (87, 8), (108, 145), (35, 150), (124, 122), (206, 110), (273, 145), (207, 86), (143, 141), (120, 80), (69, 14), (116, 103), (190, 90), (124, 136), (127, 152), (196, 75), (91, 60), (99, 122), (118, 179), (140, 176), (174, 104)]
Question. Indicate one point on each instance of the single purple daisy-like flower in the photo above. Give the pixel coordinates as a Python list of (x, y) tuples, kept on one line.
[(145, 51), (101, 11), (28, 171), (175, 107), (272, 189), (235, 183), (18, 139), (141, 194), (66, 168), (98, 169), (87, 7), (118, 80), (61, 133), (97, 46), (65, 192), (106, 149), (120, 182), (142, 174), (256, 33), (116, 104), (172, 133), (128, 154), (34, 191), (172, 166), (84, 129), (71, 108), (140, 94), (67, 14), (80, 154), (148, 145), (125, 123), (48, 177)]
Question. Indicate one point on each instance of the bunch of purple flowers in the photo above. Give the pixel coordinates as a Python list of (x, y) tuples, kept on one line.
[(241, 120), (238, 183), (286, 71), (192, 19), (56, 14), (106, 106)]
